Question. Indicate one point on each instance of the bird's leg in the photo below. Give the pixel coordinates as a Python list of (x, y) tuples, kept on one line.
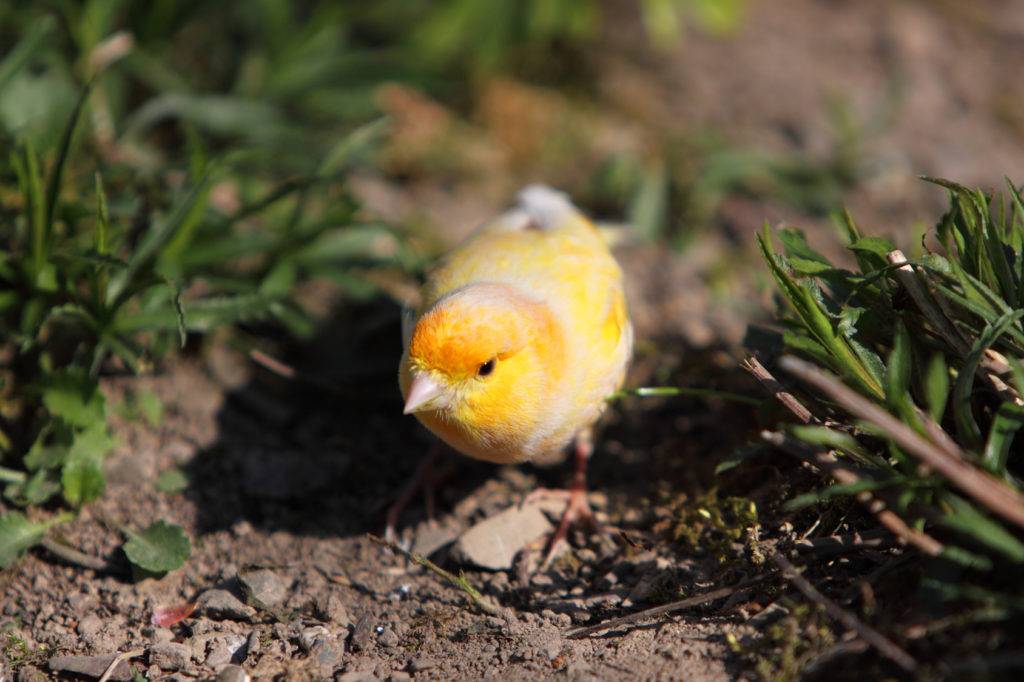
[(421, 479), (577, 508)]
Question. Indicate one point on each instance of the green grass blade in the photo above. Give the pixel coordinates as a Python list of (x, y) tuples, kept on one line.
[(26, 166), (158, 235), (1008, 420), (56, 183)]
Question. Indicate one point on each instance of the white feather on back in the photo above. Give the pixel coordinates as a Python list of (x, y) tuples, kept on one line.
[(546, 205)]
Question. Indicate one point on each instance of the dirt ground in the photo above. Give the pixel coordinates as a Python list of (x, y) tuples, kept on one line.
[(292, 478)]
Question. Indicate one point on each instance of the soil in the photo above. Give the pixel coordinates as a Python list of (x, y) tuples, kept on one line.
[(294, 478)]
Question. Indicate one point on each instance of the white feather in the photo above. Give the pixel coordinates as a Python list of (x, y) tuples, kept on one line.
[(546, 205)]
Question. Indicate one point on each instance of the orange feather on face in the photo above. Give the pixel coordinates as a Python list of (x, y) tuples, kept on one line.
[(522, 334)]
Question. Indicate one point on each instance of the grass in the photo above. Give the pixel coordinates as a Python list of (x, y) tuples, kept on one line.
[(908, 375)]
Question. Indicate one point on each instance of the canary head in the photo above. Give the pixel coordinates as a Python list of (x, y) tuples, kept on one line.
[(478, 368)]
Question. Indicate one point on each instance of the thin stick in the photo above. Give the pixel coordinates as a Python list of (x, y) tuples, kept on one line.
[(983, 487), (459, 581), (667, 608), (285, 371), (826, 461), (834, 545), (908, 278), (992, 363), (73, 556), (754, 366), (108, 673), (873, 637)]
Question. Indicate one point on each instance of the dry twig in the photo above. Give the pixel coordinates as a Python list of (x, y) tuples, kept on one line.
[(980, 485), (827, 461), (873, 637), (73, 556), (124, 656), (754, 366), (667, 608)]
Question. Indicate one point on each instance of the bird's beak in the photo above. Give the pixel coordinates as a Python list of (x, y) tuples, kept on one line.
[(423, 393)]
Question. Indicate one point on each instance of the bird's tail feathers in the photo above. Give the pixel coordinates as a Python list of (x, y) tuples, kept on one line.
[(546, 206)]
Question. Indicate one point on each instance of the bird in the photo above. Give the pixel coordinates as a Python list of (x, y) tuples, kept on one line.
[(521, 336)]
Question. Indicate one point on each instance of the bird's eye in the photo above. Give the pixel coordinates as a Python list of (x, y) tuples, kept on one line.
[(486, 368)]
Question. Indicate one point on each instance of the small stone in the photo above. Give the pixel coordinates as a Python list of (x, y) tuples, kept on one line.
[(233, 673), (222, 605), (310, 636), (252, 644), (90, 666), (327, 656), (388, 638), (330, 608), (432, 536), (263, 586), (562, 620), (495, 623), (363, 632), (219, 656), (170, 655), (399, 676), (30, 673), (357, 676), (89, 625), (421, 663), (494, 542)]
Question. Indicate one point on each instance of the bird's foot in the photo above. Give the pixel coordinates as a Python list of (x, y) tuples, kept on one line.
[(577, 511), (425, 478)]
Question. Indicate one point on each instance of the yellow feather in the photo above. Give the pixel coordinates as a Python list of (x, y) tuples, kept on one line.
[(537, 293)]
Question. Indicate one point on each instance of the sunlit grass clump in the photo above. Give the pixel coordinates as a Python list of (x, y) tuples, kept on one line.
[(910, 376)]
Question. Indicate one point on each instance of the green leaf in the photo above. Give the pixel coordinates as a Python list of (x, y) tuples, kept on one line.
[(795, 243), (82, 475), (649, 206), (1008, 420), (936, 386), (17, 534), (160, 548), (964, 517), (898, 372), (75, 397), (967, 427), (56, 183), (171, 481), (26, 166), (182, 214)]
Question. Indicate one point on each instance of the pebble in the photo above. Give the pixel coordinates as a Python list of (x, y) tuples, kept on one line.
[(30, 673), (89, 625), (399, 676), (327, 656), (363, 631), (432, 536), (310, 636), (219, 656), (222, 605), (493, 543), (89, 666), (331, 608), (263, 585), (357, 676), (388, 638), (170, 655), (421, 663), (233, 673)]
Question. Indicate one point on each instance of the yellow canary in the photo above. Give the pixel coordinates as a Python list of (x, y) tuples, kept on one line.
[(521, 336)]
